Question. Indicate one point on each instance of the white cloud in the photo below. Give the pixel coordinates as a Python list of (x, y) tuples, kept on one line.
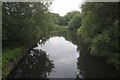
[(62, 7)]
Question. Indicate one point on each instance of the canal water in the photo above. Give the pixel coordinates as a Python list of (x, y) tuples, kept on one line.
[(63, 55)]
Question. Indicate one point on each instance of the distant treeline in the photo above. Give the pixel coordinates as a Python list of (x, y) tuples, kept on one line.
[(71, 21)]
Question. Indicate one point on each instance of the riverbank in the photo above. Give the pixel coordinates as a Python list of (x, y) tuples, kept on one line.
[(86, 57), (111, 60), (34, 65), (108, 60), (91, 65), (10, 59), (14, 52), (12, 55)]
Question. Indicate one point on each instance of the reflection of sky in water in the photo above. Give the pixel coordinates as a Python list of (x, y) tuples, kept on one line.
[(64, 55)]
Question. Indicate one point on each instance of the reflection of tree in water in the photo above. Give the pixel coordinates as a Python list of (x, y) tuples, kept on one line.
[(36, 64), (89, 66)]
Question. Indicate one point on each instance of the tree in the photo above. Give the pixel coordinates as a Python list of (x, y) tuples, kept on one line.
[(24, 20), (75, 23), (99, 27), (70, 15)]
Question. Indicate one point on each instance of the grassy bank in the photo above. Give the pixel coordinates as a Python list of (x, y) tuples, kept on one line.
[(10, 56), (13, 52)]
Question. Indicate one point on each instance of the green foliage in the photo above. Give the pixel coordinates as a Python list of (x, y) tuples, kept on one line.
[(75, 23), (23, 21), (10, 55), (114, 59), (57, 19), (70, 21), (101, 44), (57, 22), (0, 62), (70, 15), (99, 27)]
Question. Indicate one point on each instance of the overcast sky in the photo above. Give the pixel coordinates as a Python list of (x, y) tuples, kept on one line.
[(62, 7)]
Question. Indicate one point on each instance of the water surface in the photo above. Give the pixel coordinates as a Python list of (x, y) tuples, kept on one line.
[(63, 55)]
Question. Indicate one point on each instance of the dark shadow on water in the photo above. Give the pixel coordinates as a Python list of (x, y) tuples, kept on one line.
[(36, 64), (91, 66)]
